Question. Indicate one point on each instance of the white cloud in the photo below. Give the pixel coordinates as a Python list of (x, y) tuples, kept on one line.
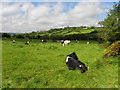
[(25, 17), (10, 9), (58, 8), (106, 5), (38, 12)]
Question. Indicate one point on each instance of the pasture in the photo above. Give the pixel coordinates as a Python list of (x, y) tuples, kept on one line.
[(42, 65)]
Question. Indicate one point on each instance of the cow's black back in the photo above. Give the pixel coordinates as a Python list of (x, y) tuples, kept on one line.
[(71, 63), (73, 55)]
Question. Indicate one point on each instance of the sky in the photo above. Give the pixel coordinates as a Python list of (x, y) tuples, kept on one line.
[(23, 17)]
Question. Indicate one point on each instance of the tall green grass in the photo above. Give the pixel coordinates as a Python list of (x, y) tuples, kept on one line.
[(41, 65)]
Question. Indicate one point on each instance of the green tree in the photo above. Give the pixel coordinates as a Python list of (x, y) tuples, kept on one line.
[(6, 35), (111, 24)]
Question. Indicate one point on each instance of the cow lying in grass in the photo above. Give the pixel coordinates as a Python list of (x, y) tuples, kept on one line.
[(73, 63)]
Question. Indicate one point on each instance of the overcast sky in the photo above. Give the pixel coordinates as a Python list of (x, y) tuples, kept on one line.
[(36, 16)]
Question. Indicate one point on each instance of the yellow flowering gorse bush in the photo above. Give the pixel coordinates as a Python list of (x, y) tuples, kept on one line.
[(113, 50)]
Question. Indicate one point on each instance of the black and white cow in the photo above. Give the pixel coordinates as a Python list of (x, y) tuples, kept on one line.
[(27, 43), (43, 41), (13, 41), (65, 42), (73, 63), (77, 41)]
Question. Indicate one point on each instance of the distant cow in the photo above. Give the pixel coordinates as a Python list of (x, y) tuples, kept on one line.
[(73, 63), (88, 42), (27, 43), (13, 41), (65, 42), (62, 41), (43, 41), (77, 41)]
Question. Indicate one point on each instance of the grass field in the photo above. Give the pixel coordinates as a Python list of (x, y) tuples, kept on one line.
[(43, 65)]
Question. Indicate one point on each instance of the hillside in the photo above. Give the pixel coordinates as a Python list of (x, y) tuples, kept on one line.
[(66, 31), (82, 33)]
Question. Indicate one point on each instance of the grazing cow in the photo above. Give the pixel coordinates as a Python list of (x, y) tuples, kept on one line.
[(13, 41), (65, 42), (88, 42), (43, 41), (62, 41), (27, 43), (73, 63), (77, 41)]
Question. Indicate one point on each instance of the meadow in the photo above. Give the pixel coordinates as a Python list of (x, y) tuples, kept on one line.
[(41, 65)]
